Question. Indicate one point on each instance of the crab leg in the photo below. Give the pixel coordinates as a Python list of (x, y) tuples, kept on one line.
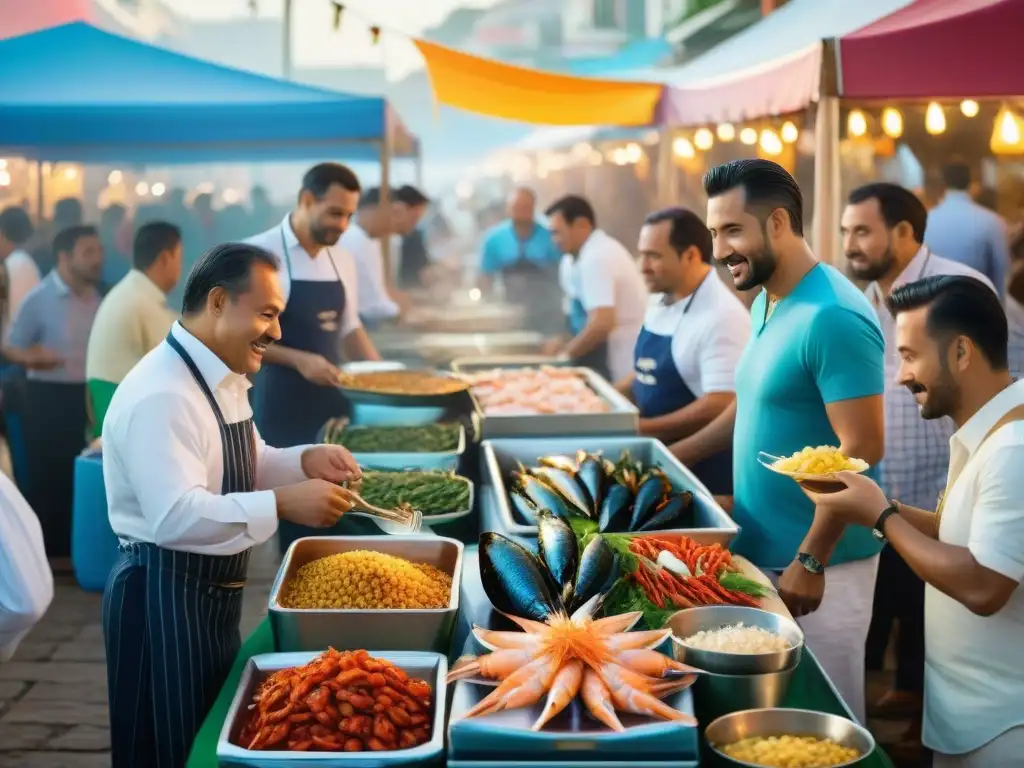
[(496, 666), (563, 690), (626, 641), (523, 687), (494, 640), (597, 700)]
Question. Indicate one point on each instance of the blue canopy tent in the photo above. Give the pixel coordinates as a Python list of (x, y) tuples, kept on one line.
[(75, 93)]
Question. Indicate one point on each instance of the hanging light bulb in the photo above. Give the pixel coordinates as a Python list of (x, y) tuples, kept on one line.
[(633, 153), (726, 132), (748, 136), (770, 142), (682, 147), (790, 133), (1008, 133), (703, 139), (969, 108), (892, 122), (856, 123), (935, 119)]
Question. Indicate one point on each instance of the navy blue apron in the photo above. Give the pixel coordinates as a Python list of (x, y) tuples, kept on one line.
[(533, 287), (171, 624), (597, 358), (658, 389), (290, 410)]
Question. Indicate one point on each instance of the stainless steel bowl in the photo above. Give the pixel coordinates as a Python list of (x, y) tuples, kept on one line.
[(716, 695), (689, 622), (787, 722)]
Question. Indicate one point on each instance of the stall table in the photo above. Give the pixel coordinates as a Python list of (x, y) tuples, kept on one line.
[(809, 689)]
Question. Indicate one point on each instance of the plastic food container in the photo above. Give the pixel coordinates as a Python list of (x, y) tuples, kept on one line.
[(412, 459)]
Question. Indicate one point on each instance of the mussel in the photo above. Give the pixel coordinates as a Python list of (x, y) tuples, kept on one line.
[(591, 477), (668, 511), (514, 579), (541, 494), (649, 494), (596, 573), (558, 462), (522, 504), (614, 510), (566, 485), (557, 547)]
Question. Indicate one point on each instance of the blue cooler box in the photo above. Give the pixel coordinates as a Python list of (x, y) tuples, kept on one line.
[(93, 543)]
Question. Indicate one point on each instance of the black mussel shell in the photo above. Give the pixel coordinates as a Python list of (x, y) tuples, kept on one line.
[(557, 547), (668, 512), (596, 573), (614, 511), (650, 493), (526, 509), (592, 478), (514, 579)]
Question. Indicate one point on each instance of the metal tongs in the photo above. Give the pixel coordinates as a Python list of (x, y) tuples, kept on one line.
[(399, 520)]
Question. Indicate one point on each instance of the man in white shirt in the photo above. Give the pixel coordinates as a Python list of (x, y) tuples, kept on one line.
[(26, 582), (605, 291), (362, 239), (693, 335), (22, 272), (191, 488), (883, 229), (951, 336)]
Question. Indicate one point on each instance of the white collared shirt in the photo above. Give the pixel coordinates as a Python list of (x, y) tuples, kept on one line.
[(22, 277), (974, 665), (374, 301), (916, 450), (163, 461), (26, 582), (338, 265)]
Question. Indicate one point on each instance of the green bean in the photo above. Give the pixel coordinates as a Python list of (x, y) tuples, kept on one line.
[(432, 493), (430, 438)]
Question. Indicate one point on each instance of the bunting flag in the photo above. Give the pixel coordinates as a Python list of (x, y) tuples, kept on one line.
[(489, 87)]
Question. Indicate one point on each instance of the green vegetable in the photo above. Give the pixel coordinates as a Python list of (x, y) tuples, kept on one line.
[(432, 493), (741, 583), (626, 596), (430, 438), (582, 526)]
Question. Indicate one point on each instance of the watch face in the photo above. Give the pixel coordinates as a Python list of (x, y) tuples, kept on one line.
[(878, 534)]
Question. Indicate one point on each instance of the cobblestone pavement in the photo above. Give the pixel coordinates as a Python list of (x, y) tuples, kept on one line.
[(53, 693)]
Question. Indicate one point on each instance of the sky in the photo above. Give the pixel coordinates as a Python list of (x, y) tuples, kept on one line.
[(314, 41)]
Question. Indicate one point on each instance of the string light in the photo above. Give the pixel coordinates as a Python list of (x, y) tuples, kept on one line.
[(1008, 133), (892, 122), (770, 142), (969, 108), (790, 133), (682, 147), (726, 132), (114, 177), (703, 139), (634, 153), (856, 123), (748, 136), (935, 119)]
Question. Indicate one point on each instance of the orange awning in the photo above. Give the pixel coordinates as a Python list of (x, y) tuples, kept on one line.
[(489, 87)]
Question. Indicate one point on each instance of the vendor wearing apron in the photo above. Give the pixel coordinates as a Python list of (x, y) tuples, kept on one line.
[(296, 392), (191, 488), (694, 333), (604, 292), (523, 255)]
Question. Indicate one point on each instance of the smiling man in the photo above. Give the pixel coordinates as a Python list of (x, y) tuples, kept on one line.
[(812, 374)]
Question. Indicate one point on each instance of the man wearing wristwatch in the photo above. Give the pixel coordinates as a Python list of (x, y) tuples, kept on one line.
[(951, 335)]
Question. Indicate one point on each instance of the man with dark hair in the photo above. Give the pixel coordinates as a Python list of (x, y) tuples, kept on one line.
[(48, 337), (965, 232), (362, 240), (812, 375), (133, 317), (883, 229), (408, 209), (693, 335), (191, 488), (604, 289), (951, 336), (22, 273)]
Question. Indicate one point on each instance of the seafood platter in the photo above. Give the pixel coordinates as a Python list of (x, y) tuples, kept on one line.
[(388, 395), (519, 397), (598, 485), (424, 446), (349, 708), (395, 593)]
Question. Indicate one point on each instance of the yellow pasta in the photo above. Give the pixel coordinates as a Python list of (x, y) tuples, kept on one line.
[(790, 752), (823, 460)]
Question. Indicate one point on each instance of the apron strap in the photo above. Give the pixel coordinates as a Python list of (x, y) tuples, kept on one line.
[(190, 363)]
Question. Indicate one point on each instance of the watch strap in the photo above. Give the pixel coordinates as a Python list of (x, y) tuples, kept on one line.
[(892, 509)]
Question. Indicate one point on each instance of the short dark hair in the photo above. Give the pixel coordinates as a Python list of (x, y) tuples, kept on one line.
[(687, 229), (68, 212), (767, 185), (68, 238), (151, 240), (15, 224), (572, 207), (320, 178), (957, 176), (227, 266), (958, 306), (896, 204), (372, 197), (411, 196)]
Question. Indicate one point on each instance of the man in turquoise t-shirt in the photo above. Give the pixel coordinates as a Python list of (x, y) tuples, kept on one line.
[(812, 374)]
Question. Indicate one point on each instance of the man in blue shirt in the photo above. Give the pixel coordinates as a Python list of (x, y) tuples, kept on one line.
[(812, 374), (521, 252)]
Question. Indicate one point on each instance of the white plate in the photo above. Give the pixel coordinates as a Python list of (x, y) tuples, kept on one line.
[(768, 461)]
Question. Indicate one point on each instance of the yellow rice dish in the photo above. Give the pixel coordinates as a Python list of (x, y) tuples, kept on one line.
[(790, 752), (823, 460)]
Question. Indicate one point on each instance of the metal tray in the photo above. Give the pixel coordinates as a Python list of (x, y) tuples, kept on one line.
[(301, 629), (499, 458), (627, 763), (623, 419), (412, 460), (429, 520), (373, 397), (432, 667)]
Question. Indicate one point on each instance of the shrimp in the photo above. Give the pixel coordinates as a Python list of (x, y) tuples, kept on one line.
[(611, 625), (626, 641), (563, 690), (496, 666), (598, 700), (651, 663), (523, 687), (494, 640), (629, 696)]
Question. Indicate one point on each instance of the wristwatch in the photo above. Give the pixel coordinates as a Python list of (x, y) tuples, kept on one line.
[(879, 530), (810, 563)]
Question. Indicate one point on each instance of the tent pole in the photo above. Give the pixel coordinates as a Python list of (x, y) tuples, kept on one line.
[(386, 145), (40, 193), (827, 177), (286, 41)]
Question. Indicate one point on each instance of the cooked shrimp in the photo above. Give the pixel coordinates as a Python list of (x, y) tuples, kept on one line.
[(496, 666), (651, 663), (522, 688), (611, 625), (626, 641), (598, 700), (563, 690), (494, 640), (629, 699)]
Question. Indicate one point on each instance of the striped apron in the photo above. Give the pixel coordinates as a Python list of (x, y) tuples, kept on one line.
[(171, 625)]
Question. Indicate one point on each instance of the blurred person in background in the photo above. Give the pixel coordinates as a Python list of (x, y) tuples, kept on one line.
[(67, 212), (1015, 318), (261, 211), (22, 273), (204, 221), (693, 335), (522, 254), (961, 230), (606, 294), (133, 317), (883, 229), (362, 240), (49, 337), (116, 261), (408, 209)]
